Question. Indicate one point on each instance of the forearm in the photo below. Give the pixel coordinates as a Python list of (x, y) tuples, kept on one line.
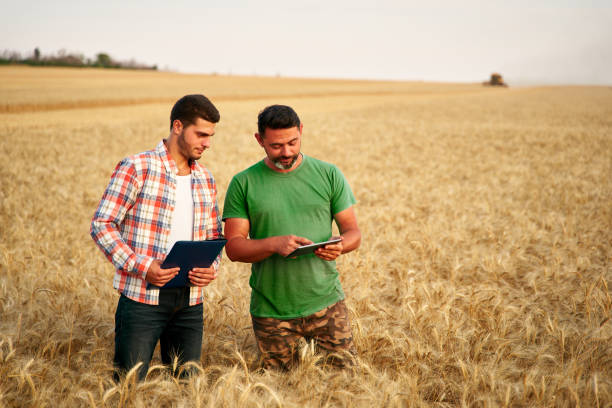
[(119, 196), (109, 240), (215, 230), (240, 249), (350, 240)]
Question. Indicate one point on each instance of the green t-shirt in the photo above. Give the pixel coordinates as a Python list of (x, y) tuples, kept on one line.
[(301, 202)]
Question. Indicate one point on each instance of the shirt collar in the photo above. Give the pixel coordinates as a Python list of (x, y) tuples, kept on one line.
[(169, 162)]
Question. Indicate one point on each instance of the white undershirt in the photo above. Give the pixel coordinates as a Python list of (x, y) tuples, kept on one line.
[(181, 228)]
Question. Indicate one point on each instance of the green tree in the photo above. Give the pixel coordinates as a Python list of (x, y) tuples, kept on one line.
[(104, 60)]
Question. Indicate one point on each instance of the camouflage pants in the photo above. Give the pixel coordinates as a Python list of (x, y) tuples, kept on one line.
[(329, 328)]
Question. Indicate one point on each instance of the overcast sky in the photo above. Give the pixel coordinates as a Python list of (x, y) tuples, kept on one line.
[(549, 41)]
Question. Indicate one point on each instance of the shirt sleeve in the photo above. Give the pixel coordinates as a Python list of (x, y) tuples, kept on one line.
[(342, 195), (235, 205), (119, 196), (215, 229)]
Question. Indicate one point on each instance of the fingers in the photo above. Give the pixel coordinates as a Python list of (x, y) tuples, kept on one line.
[(163, 280), (165, 275), (158, 276), (285, 244), (202, 276), (329, 252), (204, 270), (332, 248), (302, 241), (327, 256)]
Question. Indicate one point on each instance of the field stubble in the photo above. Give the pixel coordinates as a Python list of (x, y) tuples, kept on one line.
[(482, 280)]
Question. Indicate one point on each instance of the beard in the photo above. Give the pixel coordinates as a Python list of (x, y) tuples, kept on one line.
[(186, 150), (277, 162)]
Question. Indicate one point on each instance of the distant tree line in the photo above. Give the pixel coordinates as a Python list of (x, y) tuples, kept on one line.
[(65, 59)]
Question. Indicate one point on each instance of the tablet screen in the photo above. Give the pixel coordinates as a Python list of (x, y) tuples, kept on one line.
[(306, 249)]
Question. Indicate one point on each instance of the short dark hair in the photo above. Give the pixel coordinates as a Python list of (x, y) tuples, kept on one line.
[(191, 107), (277, 117)]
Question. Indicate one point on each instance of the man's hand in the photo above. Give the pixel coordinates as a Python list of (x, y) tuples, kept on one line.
[(158, 276), (242, 249), (331, 251), (202, 276), (286, 244)]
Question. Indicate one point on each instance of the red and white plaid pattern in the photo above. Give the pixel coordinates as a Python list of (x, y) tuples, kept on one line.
[(132, 223)]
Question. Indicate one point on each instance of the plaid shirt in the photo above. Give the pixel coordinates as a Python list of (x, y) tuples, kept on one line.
[(132, 223)]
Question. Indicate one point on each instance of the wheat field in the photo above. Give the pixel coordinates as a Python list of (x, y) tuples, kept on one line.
[(482, 279)]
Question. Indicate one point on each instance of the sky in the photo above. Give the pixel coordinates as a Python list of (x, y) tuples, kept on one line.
[(528, 42)]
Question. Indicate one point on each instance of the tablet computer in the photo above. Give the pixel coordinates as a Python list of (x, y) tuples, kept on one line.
[(188, 255), (306, 249)]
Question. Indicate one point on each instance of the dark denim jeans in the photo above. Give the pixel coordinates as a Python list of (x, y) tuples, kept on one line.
[(138, 326)]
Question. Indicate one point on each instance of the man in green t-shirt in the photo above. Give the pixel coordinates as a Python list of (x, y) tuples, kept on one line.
[(280, 203)]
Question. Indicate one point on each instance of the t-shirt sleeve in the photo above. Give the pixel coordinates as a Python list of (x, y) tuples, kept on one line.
[(342, 195), (235, 205)]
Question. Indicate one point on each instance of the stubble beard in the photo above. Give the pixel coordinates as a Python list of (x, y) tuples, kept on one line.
[(277, 162), (185, 149)]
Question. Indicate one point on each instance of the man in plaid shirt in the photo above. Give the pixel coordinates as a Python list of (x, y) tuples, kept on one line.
[(154, 199)]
